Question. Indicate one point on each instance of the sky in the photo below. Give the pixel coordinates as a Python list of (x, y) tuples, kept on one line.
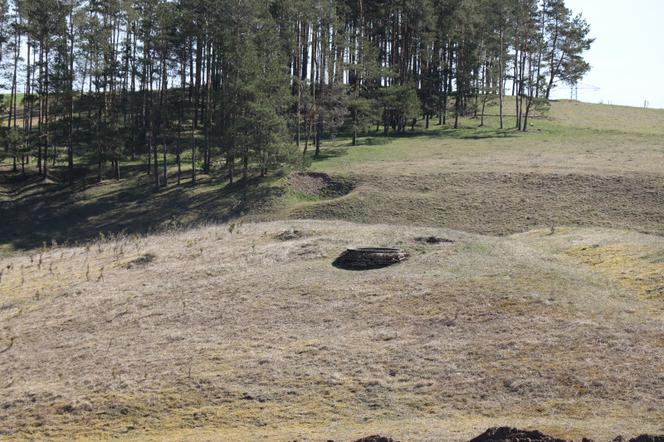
[(627, 57)]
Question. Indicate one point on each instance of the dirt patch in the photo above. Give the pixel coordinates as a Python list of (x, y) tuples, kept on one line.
[(506, 434), (322, 184), (289, 235), (644, 438), (432, 240), (376, 438), (141, 261)]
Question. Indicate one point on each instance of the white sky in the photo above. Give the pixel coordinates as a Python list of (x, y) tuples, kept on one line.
[(627, 57)]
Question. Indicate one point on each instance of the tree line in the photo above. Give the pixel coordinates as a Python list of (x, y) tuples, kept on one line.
[(242, 86)]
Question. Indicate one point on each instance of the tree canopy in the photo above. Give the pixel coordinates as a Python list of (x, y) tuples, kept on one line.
[(239, 85)]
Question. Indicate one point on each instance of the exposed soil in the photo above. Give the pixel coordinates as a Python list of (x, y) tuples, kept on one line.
[(375, 438), (289, 235), (433, 240), (506, 434), (322, 184), (141, 261), (645, 438), (500, 204)]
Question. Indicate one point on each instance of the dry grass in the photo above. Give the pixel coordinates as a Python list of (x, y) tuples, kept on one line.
[(208, 335), (609, 118), (228, 332), (575, 138), (639, 268), (584, 165), (499, 203)]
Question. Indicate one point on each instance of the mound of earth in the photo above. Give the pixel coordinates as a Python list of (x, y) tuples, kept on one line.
[(506, 434), (322, 184), (432, 240), (376, 438), (643, 438)]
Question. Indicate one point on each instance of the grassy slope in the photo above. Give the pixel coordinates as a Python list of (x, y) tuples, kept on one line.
[(255, 336), (563, 172), (259, 337)]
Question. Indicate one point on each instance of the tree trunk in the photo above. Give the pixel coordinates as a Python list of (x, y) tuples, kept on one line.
[(70, 98), (501, 79)]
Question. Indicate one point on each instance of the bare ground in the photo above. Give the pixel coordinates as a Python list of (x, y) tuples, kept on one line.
[(208, 335)]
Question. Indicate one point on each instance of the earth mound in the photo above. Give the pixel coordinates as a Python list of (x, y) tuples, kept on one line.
[(644, 438), (432, 240), (506, 434), (376, 438), (321, 184)]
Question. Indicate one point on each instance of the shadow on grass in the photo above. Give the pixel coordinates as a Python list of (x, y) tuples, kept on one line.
[(330, 152), (335, 149), (33, 211), (465, 132), (477, 133), (58, 213)]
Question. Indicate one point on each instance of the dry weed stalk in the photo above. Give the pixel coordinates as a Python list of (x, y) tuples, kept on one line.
[(9, 346)]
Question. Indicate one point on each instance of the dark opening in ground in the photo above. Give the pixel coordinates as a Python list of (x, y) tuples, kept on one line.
[(369, 258)]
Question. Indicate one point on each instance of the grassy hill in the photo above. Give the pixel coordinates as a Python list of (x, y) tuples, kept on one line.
[(260, 337), (544, 309), (572, 168)]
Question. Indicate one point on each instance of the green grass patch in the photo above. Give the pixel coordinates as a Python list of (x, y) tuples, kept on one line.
[(294, 196)]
